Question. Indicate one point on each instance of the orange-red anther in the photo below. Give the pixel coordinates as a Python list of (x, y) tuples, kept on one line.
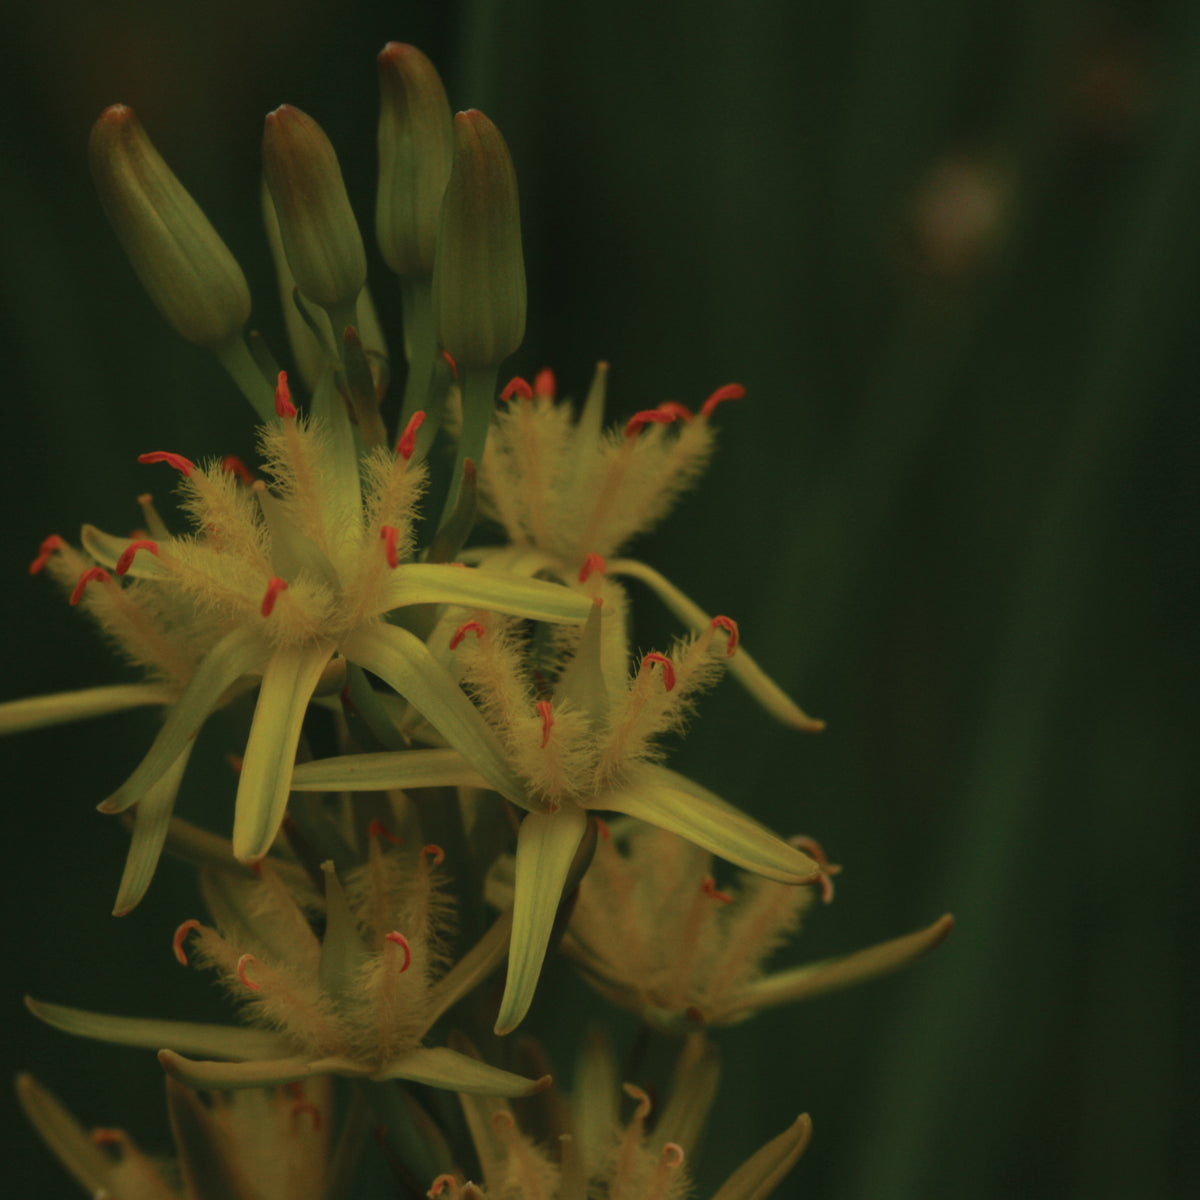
[(450, 363), (816, 852), (517, 386), (91, 575), (730, 626), (398, 939), (408, 439), (180, 937), (672, 1155), (731, 391), (680, 412), (591, 564), (462, 631), (668, 667), (547, 712), (710, 889), (126, 559), (377, 829), (48, 547), (390, 536), (434, 851), (283, 397), (275, 585), (242, 964), (544, 384), (184, 465), (440, 1184), (651, 416), (232, 465)]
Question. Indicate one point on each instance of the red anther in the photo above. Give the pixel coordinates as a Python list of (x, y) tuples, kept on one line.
[(377, 829), (544, 384), (434, 851), (710, 889), (398, 939), (816, 852), (651, 416), (543, 707), (235, 761), (408, 439), (680, 412), (602, 829), (390, 535), (462, 631), (517, 386), (731, 391), (232, 465), (672, 1155), (306, 1106), (92, 574), (450, 363), (730, 626), (45, 550), (440, 1184), (591, 564), (502, 1121), (242, 964), (108, 1137), (283, 397), (180, 937), (126, 559), (275, 585), (668, 667), (184, 465)]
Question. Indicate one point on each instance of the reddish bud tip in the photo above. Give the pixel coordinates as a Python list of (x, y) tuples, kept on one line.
[(242, 964), (389, 535), (91, 575), (731, 391), (730, 626), (668, 667), (180, 937), (49, 546), (127, 555), (183, 465), (462, 631), (450, 363), (398, 939), (651, 416), (591, 564), (283, 397), (435, 852), (547, 714), (517, 386), (544, 384), (275, 585), (408, 439), (709, 887), (679, 412), (377, 829), (232, 465)]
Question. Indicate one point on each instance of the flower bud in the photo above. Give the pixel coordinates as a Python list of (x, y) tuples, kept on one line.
[(183, 264), (479, 272), (316, 223), (416, 147)]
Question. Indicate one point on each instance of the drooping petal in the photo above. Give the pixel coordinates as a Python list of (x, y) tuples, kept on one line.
[(741, 666), (219, 1076), (222, 1041), (442, 1068), (38, 712), (476, 587), (546, 845), (238, 653), (378, 772), (68, 1140), (661, 797), (762, 1172), (404, 662), (287, 686)]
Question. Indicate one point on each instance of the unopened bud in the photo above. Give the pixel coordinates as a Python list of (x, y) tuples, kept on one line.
[(183, 264), (416, 148), (317, 226), (479, 273)]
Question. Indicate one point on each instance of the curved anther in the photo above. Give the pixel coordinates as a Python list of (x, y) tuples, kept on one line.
[(49, 547), (398, 939), (592, 564), (91, 575), (275, 585), (435, 852), (242, 964), (517, 386), (180, 937), (680, 412), (503, 1122), (440, 1184), (668, 667), (710, 889), (377, 829), (643, 1100), (544, 384), (816, 852), (730, 626), (390, 535), (307, 1106), (731, 391), (672, 1155), (651, 416), (408, 439), (283, 397), (232, 465), (462, 631), (184, 465), (547, 715), (127, 555), (450, 363)]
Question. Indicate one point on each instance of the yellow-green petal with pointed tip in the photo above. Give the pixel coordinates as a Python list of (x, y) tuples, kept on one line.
[(60, 708), (442, 1068), (477, 587), (546, 845), (663, 798), (762, 1172), (386, 769), (210, 1171), (273, 1072), (107, 550), (225, 1041), (740, 665), (68, 1140), (287, 686)]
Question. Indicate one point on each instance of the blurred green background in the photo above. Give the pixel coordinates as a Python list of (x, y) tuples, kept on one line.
[(951, 248)]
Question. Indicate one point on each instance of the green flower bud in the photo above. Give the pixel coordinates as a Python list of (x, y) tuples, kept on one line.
[(316, 223), (479, 272), (182, 262), (416, 147)]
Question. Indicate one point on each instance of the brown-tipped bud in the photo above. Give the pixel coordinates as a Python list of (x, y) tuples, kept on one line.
[(182, 262), (416, 148), (479, 272), (319, 232)]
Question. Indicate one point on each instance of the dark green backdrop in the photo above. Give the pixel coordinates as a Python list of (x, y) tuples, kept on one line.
[(951, 248)]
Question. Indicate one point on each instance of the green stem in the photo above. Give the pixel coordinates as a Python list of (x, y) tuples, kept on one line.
[(234, 355), (479, 397)]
